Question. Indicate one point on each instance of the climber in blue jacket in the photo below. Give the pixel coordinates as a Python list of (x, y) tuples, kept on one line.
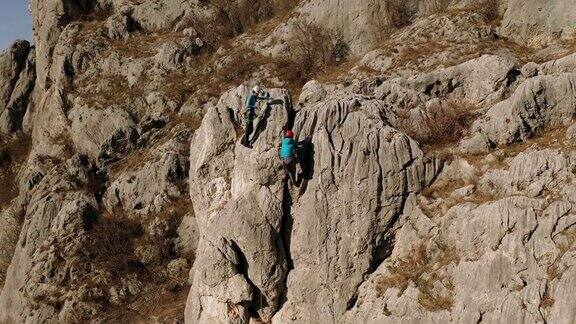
[(288, 154), (251, 105)]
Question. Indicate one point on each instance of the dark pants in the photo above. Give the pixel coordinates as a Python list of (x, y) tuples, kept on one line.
[(249, 129), (289, 165)]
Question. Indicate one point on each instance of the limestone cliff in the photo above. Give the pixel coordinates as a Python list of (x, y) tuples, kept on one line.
[(436, 180)]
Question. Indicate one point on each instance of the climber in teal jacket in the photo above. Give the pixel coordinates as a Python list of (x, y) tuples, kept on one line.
[(288, 154), (251, 104)]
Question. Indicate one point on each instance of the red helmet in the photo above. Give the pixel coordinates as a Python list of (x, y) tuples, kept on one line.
[(289, 134)]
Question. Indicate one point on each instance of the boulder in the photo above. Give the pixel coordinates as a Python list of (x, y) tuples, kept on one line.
[(244, 204), (103, 135), (357, 174), (121, 24)]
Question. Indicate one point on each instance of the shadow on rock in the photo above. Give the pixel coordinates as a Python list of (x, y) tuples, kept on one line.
[(306, 157)]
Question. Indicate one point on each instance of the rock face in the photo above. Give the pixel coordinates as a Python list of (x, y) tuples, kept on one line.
[(238, 200), (537, 103), (268, 229), (361, 172), (513, 263), (53, 236), (436, 179), (536, 23), (17, 77)]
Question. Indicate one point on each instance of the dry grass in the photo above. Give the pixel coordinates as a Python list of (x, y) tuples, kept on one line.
[(141, 44), (228, 70), (334, 72), (241, 63), (481, 197), (489, 9), (550, 138), (424, 270), (112, 247), (393, 15), (444, 189), (113, 89), (435, 50), (411, 54), (114, 239), (138, 157)]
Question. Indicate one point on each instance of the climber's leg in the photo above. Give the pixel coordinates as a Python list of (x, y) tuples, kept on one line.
[(289, 165), (247, 132)]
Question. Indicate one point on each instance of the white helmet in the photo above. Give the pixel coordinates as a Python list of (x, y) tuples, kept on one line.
[(256, 89)]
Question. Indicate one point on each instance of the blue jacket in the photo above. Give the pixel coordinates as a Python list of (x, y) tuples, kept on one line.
[(287, 148)]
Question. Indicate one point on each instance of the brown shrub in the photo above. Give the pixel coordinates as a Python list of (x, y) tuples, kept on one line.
[(415, 54), (310, 48), (113, 241), (442, 125), (112, 247)]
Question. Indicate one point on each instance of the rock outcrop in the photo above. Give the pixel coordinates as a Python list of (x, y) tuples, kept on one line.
[(245, 206), (544, 101), (435, 183), (17, 78), (238, 196), (360, 174)]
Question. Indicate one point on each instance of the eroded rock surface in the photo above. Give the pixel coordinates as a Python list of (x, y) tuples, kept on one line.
[(536, 22), (132, 199)]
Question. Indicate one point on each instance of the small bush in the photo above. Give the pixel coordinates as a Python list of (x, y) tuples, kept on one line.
[(388, 17), (491, 10), (441, 125), (399, 13), (340, 49), (310, 48), (313, 48), (431, 7)]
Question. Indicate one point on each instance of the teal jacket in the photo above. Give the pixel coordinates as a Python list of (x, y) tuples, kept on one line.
[(253, 101), (288, 147)]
